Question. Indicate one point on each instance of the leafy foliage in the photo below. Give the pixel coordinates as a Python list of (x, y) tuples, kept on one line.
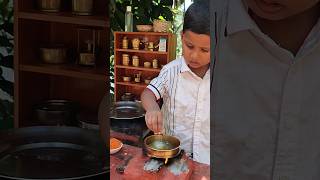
[(6, 61)]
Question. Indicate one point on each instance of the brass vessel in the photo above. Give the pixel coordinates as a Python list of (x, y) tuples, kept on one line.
[(173, 149)]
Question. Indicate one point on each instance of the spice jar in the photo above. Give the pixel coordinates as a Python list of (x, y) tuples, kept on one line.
[(125, 59), (155, 63), (135, 61), (125, 43)]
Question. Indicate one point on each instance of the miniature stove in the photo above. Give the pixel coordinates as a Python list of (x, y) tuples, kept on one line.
[(176, 165)]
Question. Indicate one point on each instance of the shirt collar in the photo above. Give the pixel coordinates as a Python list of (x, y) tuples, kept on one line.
[(238, 18), (184, 66)]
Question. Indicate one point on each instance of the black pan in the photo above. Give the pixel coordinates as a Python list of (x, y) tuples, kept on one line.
[(45, 152)]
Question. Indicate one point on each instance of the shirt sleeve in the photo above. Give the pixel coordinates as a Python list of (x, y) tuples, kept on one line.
[(158, 85)]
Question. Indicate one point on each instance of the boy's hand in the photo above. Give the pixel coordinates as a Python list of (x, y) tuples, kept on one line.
[(154, 120)]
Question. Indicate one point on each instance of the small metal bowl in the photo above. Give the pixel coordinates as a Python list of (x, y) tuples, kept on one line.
[(54, 55), (147, 64), (144, 28), (126, 78)]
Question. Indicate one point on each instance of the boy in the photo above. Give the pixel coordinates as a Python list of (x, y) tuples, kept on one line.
[(266, 91), (184, 85)]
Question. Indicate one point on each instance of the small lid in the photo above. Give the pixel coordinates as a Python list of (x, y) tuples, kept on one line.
[(125, 55), (128, 8)]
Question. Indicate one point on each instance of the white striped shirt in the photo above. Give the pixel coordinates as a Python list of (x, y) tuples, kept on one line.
[(186, 107)]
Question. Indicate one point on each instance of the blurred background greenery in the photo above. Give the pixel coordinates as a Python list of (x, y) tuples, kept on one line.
[(6, 64)]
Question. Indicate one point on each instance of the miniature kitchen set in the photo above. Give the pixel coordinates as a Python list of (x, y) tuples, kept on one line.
[(134, 152)]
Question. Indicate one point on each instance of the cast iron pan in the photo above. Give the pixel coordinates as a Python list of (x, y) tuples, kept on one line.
[(50, 152)]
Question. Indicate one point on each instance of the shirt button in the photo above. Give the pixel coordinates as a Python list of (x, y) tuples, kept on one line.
[(283, 178)]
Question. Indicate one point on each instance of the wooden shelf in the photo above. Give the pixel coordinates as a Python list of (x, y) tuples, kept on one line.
[(36, 81), (142, 85), (137, 68), (141, 51), (69, 70), (120, 70), (65, 17), (144, 33)]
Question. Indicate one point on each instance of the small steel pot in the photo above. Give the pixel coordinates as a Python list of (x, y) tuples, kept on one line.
[(49, 5), (82, 7), (172, 149)]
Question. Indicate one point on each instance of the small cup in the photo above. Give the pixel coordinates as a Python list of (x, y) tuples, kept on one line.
[(147, 64)]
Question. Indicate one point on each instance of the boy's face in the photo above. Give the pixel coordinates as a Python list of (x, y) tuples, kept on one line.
[(196, 49), (279, 9)]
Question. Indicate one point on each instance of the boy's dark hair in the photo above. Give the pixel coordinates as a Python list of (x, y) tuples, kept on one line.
[(196, 18)]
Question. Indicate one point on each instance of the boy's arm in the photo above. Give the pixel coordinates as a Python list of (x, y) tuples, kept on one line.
[(153, 115)]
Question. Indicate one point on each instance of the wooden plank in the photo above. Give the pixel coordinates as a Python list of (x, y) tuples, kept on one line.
[(64, 17), (141, 51), (138, 68), (99, 74)]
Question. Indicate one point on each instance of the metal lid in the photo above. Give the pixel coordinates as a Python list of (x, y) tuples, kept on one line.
[(128, 8)]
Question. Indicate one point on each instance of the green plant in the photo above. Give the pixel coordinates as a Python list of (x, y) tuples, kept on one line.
[(144, 11), (6, 63)]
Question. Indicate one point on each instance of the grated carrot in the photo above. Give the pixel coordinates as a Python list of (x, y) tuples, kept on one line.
[(114, 143)]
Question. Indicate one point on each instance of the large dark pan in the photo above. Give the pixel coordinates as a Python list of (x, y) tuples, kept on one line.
[(45, 152)]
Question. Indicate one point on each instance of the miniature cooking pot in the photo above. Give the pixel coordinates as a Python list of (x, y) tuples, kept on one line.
[(162, 146)]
